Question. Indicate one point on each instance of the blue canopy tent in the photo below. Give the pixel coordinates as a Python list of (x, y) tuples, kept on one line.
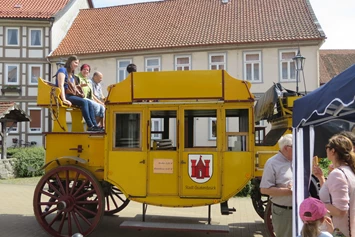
[(335, 102)]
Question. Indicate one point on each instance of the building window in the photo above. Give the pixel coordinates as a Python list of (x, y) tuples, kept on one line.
[(152, 64), (35, 37), (217, 61), (252, 66), (12, 74), (12, 127), (36, 120), (122, 69), (212, 128), (35, 71), (157, 126), (287, 66), (182, 63), (12, 38)]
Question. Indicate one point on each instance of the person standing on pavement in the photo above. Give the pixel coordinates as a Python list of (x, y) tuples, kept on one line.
[(338, 190), (277, 183)]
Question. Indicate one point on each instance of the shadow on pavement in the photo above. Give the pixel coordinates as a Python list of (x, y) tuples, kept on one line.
[(19, 225)]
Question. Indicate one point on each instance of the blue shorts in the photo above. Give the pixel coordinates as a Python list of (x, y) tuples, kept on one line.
[(99, 109)]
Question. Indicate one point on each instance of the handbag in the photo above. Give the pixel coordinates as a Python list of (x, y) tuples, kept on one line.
[(337, 232), (73, 89)]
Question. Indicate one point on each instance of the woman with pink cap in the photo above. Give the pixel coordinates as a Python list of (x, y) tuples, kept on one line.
[(313, 214)]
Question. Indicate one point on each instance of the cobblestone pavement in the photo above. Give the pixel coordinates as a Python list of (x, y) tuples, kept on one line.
[(17, 218)]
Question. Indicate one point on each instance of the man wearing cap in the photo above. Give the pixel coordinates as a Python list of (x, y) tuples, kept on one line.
[(277, 183)]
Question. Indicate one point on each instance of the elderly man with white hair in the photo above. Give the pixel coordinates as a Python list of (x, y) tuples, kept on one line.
[(277, 183)]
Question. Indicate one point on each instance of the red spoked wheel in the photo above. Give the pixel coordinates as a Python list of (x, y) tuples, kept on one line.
[(115, 200), (258, 199), (268, 220), (68, 200)]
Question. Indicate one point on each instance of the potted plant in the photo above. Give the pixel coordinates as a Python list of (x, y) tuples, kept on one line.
[(12, 88)]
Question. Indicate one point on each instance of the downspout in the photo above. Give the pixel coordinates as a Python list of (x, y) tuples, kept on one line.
[(51, 21)]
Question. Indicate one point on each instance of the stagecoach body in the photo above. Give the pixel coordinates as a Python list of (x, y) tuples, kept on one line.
[(151, 151)]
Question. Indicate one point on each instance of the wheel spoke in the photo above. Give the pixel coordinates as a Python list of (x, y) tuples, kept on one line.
[(82, 217), (80, 188), (44, 214), (85, 210), (59, 214), (67, 181), (85, 194), (87, 202), (69, 224), (107, 203), (114, 201), (47, 203), (115, 189), (77, 221), (74, 183), (54, 188), (60, 183), (62, 222), (119, 197), (48, 194)]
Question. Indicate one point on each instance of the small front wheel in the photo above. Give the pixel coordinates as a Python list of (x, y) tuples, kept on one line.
[(68, 200)]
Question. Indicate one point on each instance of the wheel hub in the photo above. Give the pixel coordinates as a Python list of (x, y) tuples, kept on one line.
[(61, 205), (66, 203)]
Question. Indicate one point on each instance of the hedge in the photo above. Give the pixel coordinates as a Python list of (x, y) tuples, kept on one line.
[(28, 157)]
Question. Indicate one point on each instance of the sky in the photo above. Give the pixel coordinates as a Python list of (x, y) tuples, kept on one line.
[(335, 17)]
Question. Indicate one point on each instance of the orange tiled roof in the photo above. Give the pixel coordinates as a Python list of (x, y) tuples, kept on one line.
[(182, 23), (40, 9), (334, 61), (11, 111)]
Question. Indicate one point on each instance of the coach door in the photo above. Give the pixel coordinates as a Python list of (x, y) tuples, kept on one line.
[(201, 152), (127, 159), (163, 159)]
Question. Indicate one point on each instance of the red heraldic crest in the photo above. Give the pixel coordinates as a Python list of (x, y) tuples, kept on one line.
[(200, 167)]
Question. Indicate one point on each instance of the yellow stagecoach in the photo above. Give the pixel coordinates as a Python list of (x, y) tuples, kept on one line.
[(173, 139)]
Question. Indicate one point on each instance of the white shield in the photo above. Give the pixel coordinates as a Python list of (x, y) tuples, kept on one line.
[(200, 167)]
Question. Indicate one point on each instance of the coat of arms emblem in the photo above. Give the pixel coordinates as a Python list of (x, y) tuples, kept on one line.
[(200, 167)]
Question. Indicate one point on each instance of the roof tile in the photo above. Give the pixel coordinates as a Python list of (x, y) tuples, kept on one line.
[(31, 8), (181, 23), (332, 62)]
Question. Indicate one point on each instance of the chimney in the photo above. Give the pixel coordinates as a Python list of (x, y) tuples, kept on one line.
[(225, 1)]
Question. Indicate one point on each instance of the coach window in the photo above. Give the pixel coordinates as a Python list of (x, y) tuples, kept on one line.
[(237, 129), (201, 128), (128, 130), (163, 129)]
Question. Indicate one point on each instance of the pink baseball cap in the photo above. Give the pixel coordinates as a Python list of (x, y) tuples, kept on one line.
[(312, 209)]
